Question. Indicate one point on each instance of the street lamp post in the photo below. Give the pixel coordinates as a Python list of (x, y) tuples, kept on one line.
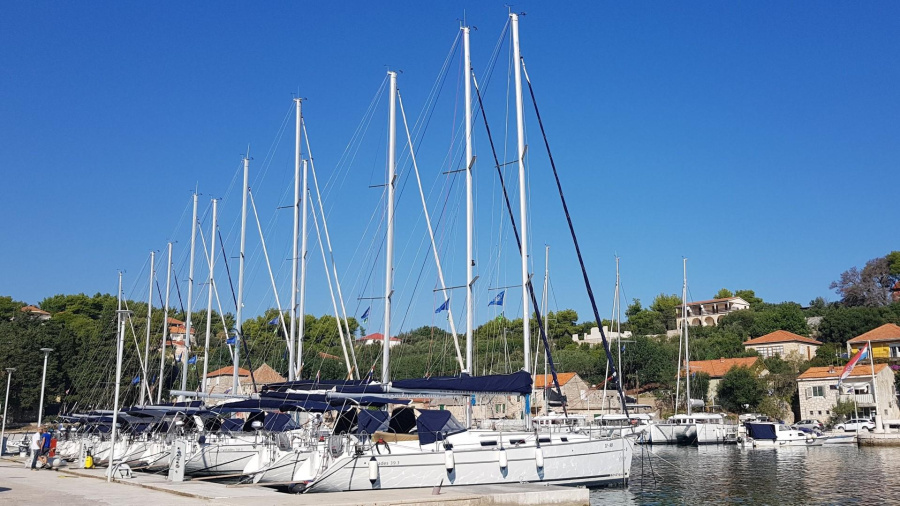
[(43, 383), (9, 370)]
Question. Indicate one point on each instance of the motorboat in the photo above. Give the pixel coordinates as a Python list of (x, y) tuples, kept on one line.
[(773, 435)]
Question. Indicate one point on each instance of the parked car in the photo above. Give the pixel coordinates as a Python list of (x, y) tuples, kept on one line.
[(856, 424), (809, 424)]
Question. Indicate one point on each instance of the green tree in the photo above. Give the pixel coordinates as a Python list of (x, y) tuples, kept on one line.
[(741, 390), (724, 293), (667, 307), (749, 296)]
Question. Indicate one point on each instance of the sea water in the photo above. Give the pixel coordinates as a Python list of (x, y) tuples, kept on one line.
[(823, 475)]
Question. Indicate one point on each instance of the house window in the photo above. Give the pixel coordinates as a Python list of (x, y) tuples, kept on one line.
[(811, 412), (771, 351), (895, 351), (500, 408), (816, 391)]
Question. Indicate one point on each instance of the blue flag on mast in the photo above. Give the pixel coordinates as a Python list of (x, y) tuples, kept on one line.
[(365, 315), (136, 380), (498, 300), (443, 307), (192, 360)]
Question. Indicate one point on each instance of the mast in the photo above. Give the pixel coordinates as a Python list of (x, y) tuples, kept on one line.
[(301, 308), (145, 385), (617, 309), (212, 265), (235, 386), (470, 214), (294, 258), (190, 300), (523, 207), (120, 340), (470, 220), (687, 351), (389, 255), (162, 354), (546, 298)]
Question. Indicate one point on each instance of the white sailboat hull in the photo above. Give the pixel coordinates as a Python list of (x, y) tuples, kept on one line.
[(589, 462)]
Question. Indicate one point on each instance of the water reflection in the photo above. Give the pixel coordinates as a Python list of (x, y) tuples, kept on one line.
[(729, 475)]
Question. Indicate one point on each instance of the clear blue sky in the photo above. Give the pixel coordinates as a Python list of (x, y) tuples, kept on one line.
[(758, 139)]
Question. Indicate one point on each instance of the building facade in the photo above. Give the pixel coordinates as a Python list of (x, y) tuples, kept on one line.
[(716, 369), (378, 338), (819, 392), (885, 342), (706, 313), (785, 344), (593, 338)]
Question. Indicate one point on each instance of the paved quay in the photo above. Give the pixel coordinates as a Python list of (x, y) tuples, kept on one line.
[(88, 487)]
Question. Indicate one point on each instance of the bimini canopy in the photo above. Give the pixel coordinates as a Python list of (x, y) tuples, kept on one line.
[(516, 383), (760, 430), (436, 425), (370, 422)]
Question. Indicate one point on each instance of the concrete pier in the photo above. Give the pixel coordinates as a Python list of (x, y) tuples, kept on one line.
[(878, 439), (88, 487)]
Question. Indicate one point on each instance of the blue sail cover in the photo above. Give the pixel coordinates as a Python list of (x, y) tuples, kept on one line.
[(371, 421), (248, 405), (278, 422), (436, 425), (350, 386), (518, 383)]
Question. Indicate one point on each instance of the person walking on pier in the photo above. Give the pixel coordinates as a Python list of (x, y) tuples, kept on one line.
[(35, 447)]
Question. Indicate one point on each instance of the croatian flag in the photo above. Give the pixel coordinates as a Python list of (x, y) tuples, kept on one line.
[(861, 354)]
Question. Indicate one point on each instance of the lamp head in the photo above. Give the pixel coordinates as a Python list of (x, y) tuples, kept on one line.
[(47, 350), (10, 370)]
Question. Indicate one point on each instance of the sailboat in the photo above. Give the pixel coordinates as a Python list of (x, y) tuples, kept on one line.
[(690, 428), (417, 448)]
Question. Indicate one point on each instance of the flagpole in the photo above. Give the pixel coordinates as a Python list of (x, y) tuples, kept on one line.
[(878, 426)]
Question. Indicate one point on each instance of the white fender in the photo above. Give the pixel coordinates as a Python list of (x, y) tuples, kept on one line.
[(373, 470), (449, 461), (539, 457), (501, 457)]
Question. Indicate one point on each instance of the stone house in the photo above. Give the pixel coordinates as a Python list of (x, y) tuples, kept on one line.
[(716, 369), (885, 342), (593, 337), (785, 344), (819, 393), (706, 313), (36, 312), (378, 338)]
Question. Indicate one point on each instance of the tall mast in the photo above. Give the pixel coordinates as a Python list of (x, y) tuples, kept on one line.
[(618, 328), (684, 331), (470, 216), (523, 206), (209, 301), (120, 340), (301, 308), (239, 325), (546, 299), (190, 300), (145, 384), (162, 348), (389, 255), (294, 258)]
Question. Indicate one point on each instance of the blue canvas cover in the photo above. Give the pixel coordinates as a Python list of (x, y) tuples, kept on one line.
[(371, 421), (518, 383), (760, 430), (352, 386), (248, 405), (278, 422), (436, 425), (232, 425)]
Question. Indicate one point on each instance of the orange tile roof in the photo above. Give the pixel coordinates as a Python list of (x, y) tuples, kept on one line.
[(718, 368), (265, 374), (378, 336), (179, 329), (782, 336), (228, 371), (835, 372), (33, 309), (564, 377), (175, 321), (886, 332)]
